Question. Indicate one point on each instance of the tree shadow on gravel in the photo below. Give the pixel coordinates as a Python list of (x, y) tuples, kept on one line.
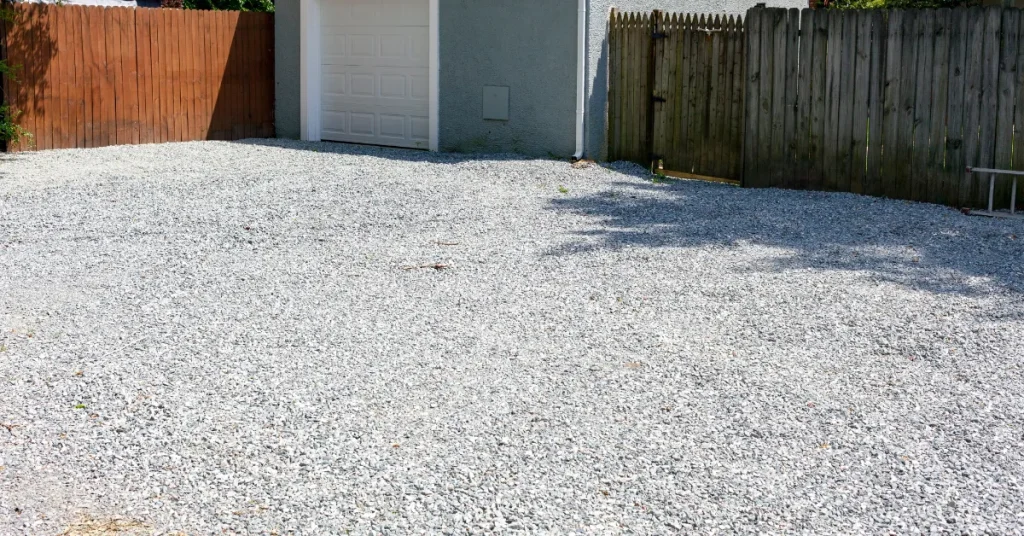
[(923, 246)]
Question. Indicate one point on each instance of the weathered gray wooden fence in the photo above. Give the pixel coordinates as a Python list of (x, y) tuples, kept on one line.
[(887, 103), (676, 91)]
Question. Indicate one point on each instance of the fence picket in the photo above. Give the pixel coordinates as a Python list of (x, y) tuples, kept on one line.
[(905, 134), (752, 85), (989, 94), (762, 168), (954, 176), (860, 97), (873, 179), (939, 95), (777, 165), (925, 35), (844, 138), (972, 102), (803, 103), (715, 92), (1003, 133), (787, 162), (736, 105)]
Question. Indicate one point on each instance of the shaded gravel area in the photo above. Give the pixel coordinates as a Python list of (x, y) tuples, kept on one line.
[(278, 337)]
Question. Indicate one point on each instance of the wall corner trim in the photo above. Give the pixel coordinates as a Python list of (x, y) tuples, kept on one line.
[(309, 69)]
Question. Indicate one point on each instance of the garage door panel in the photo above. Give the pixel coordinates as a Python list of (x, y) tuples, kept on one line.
[(375, 12), (357, 47), (375, 56), (379, 129), (420, 129), (400, 87)]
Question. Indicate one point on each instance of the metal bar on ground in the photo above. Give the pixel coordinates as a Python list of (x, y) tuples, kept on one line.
[(991, 212), (994, 171)]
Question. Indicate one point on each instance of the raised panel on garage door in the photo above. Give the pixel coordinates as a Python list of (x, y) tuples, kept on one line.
[(375, 72)]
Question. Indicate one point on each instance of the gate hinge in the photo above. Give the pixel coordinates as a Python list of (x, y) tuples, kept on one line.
[(656, 98), (659, 35)]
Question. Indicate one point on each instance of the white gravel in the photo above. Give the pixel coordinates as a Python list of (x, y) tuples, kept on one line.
[(222, 338)]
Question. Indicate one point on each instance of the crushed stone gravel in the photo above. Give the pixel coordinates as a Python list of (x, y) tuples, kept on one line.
[(256, 337)]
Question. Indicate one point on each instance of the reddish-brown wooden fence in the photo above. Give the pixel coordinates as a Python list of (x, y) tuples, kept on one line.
[(94, 76)]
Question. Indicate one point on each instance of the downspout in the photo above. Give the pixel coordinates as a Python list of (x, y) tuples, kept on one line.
[(581, 75)]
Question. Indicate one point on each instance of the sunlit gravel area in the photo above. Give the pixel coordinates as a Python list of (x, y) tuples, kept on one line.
[(275, 337)]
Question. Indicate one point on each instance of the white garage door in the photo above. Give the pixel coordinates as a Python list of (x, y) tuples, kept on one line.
[(375, 72)]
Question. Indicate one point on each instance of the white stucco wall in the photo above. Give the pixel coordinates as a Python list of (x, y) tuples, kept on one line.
[(597, 57)]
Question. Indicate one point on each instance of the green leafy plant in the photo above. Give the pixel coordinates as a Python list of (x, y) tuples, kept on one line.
[(894, 4), (10, 131), (262, 6)]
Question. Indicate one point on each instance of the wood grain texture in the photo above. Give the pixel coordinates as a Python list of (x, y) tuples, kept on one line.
[(924, 30), (777, 165), (860, 98), (802, 136), (989, 94), (845, 95), (788, 163), (817, 101), (873, 178), (972, 102), (1005, 97), (752, 99), (935, 165), (96, 76), (954, 176), (761, 174)]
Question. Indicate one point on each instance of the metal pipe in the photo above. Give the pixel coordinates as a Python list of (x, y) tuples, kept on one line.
[(996, 171), (991, 190), (1013, 197), (581, 76)]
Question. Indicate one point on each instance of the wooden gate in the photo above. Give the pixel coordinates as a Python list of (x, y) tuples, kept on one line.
[(676, 92)]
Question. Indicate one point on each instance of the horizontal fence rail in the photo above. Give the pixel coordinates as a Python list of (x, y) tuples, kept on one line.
[(94, 76)]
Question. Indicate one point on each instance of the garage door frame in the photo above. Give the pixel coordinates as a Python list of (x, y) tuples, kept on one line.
[(310, 67)]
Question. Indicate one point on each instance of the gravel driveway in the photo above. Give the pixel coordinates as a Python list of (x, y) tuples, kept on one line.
[(278, 337)]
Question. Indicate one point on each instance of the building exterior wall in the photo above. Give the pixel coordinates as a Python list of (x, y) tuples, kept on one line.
[(528, 46), (287, 93), (597, 51)]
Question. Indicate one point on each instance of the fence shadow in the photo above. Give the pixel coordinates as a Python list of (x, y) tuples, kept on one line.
[(244, 100), (390, 153), (28, 59), (923, 246)]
